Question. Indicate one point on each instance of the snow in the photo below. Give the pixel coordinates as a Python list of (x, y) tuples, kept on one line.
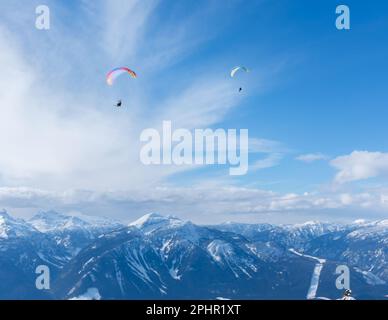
[(90, 294), (45, 259), (145, 219), (175, 238), (174, 273), (94, 220), (360, 221), (312, 293), (322, 261), (223, 253), (370, 278), (219, 249), (3, 228), (138, 265), (86, 264), (314, 283), (309, 223), (166, 246), (153, 221), (119, 277), (370, 230), (11, 227), (383, 223), (51, 221), (71, 290)]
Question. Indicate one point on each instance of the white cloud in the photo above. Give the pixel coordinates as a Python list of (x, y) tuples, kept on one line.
[(127, 21), (311, 157), (204, 103), (384, 200), (202, 203), (274, 152), (257, 145), (346, 198), (360, 165), (44, 140), (272, 160)]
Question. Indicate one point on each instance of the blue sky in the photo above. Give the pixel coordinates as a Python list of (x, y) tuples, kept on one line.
[(315, 104)]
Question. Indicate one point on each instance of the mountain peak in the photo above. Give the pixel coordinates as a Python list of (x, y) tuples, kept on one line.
[(152, 221), (47, 214), (12, 227), (4, 214), (46, 221), (52, 221), (308, 224)]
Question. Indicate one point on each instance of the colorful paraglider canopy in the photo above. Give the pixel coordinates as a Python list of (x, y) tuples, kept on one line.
[(112, 75), (237, 69)]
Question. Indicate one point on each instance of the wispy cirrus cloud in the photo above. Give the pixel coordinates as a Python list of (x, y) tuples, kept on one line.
[(311, 157), (272, 160), (273, 151), (63, 122), (127, 20)]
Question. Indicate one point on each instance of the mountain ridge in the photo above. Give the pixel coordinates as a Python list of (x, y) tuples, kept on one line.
[(164, 257)]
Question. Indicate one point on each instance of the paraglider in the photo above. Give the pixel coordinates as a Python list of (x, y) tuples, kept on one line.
[(236, 70), (115, 73)]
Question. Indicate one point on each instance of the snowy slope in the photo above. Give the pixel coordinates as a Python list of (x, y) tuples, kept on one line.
[(312, 292)]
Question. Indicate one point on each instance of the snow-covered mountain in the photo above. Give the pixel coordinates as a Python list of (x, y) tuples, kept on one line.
[(295, 236), (14, 228), (52, 221), (18, 255), (72, 232), (50, 239), (364, 245), (163, 257)]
